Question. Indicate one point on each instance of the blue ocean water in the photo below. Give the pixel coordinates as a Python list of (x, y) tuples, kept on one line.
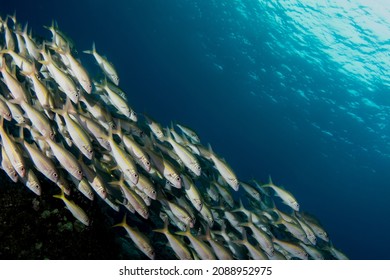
[(298, 90)]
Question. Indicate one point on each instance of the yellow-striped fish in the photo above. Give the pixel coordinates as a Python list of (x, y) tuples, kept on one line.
[(225, 171), (76, 210), (106, 66), (140, 240), (179, 247), (201, 248), (12, 150), (286, 196), (7, 166)]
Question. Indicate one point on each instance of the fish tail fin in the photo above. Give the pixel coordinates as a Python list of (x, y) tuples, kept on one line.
[(23, 125), (120, 183), (152, 138), (56, 48), (92, 51), (60, 196), (105, 82), (240, 208), (250, 218), (48, 27), (172, 128), (279, 220), (20, 139), (99, 86), (258, 185), (238, 241), (82, 98), (44, 62), (25, 30), (247, 224), (187, 232), (5, 22), (87, 51), (270, 180), (51, 27), (65, 108), (147, 118), (123, 223), (42, 49), (38, 137), (241, 204), (162, 197), (118, 130), (167, 137), (12, 17), (243, 240), (19, 101), (163, 230), (210, 152)]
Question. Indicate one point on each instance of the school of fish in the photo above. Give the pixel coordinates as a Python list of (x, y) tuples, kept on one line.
[(82, 135)]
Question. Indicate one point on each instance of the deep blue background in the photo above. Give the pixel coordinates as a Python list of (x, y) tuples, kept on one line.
[(207, 65)]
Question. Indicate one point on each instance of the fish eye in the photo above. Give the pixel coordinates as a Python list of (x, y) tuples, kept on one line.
[(22, 168), (79, 172), (55, 175), (178, 179)]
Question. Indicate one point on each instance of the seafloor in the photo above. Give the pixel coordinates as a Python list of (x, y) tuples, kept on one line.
[(40, 227)]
